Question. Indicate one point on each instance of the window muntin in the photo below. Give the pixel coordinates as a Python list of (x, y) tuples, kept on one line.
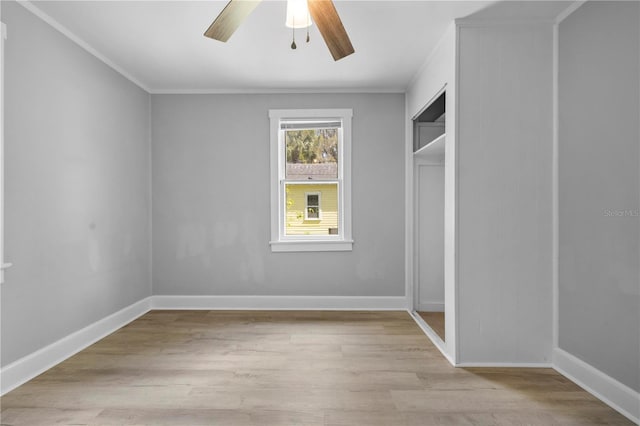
[(310, 155)]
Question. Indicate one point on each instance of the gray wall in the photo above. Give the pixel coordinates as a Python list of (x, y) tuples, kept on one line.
[(599, 278), (211, 199), (504, 145), (77, 187)]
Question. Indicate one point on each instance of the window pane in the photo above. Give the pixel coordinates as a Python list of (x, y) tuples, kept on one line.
[(312, 154), (312, 200), (303, 217), (313, 213)]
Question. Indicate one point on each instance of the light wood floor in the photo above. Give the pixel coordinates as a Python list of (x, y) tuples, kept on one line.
[(435, 321), (289, 368)]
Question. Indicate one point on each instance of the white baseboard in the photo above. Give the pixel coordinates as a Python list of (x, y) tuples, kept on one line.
[(338, 303), (431, 307), (28, 367), (615, 394), (504, 365)]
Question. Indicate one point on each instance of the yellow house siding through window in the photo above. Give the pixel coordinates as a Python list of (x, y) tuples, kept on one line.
[(296, 203)]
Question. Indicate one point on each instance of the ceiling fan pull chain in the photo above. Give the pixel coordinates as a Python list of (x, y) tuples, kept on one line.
[(308, 25), (293, 30)]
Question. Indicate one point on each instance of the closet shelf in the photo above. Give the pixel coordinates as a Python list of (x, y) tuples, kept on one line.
[(434, 149)]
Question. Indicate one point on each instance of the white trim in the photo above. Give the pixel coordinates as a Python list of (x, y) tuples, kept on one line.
[(312, 182), (555, 200), (425, 153), (28, 367), (280, 242), (568, 11), (409, 287), (604, 387), (80, 42), (150, 193), (316, 245), (428, 104), (453, 144), (504, 365), (435, 339), (336, 303), (274, 175), (329, 113), (281, 91)]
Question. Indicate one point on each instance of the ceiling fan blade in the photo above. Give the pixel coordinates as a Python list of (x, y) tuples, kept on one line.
[(326, 17), (233, 14)]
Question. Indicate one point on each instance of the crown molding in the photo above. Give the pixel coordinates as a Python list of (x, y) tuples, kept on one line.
[(264, 91)]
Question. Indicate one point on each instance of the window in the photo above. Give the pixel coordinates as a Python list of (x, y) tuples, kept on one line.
[(312, 211), (310, 180)]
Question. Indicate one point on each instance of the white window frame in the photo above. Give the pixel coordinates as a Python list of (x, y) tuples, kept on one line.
[(306, 206), (280, 242)]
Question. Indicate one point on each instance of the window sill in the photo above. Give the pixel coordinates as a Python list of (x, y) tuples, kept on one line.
[(292, 246)]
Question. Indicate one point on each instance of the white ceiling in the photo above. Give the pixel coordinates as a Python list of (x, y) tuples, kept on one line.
[(160, 44)]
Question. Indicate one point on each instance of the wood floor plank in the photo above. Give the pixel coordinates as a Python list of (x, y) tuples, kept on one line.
[(289, 368)]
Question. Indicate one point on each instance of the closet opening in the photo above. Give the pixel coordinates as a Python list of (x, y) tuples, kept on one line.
[(429, 186)]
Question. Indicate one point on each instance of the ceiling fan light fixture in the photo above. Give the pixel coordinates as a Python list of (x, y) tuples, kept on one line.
[(297, 14)]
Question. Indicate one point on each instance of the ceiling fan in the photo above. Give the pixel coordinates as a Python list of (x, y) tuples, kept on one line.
[(323, 13)]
